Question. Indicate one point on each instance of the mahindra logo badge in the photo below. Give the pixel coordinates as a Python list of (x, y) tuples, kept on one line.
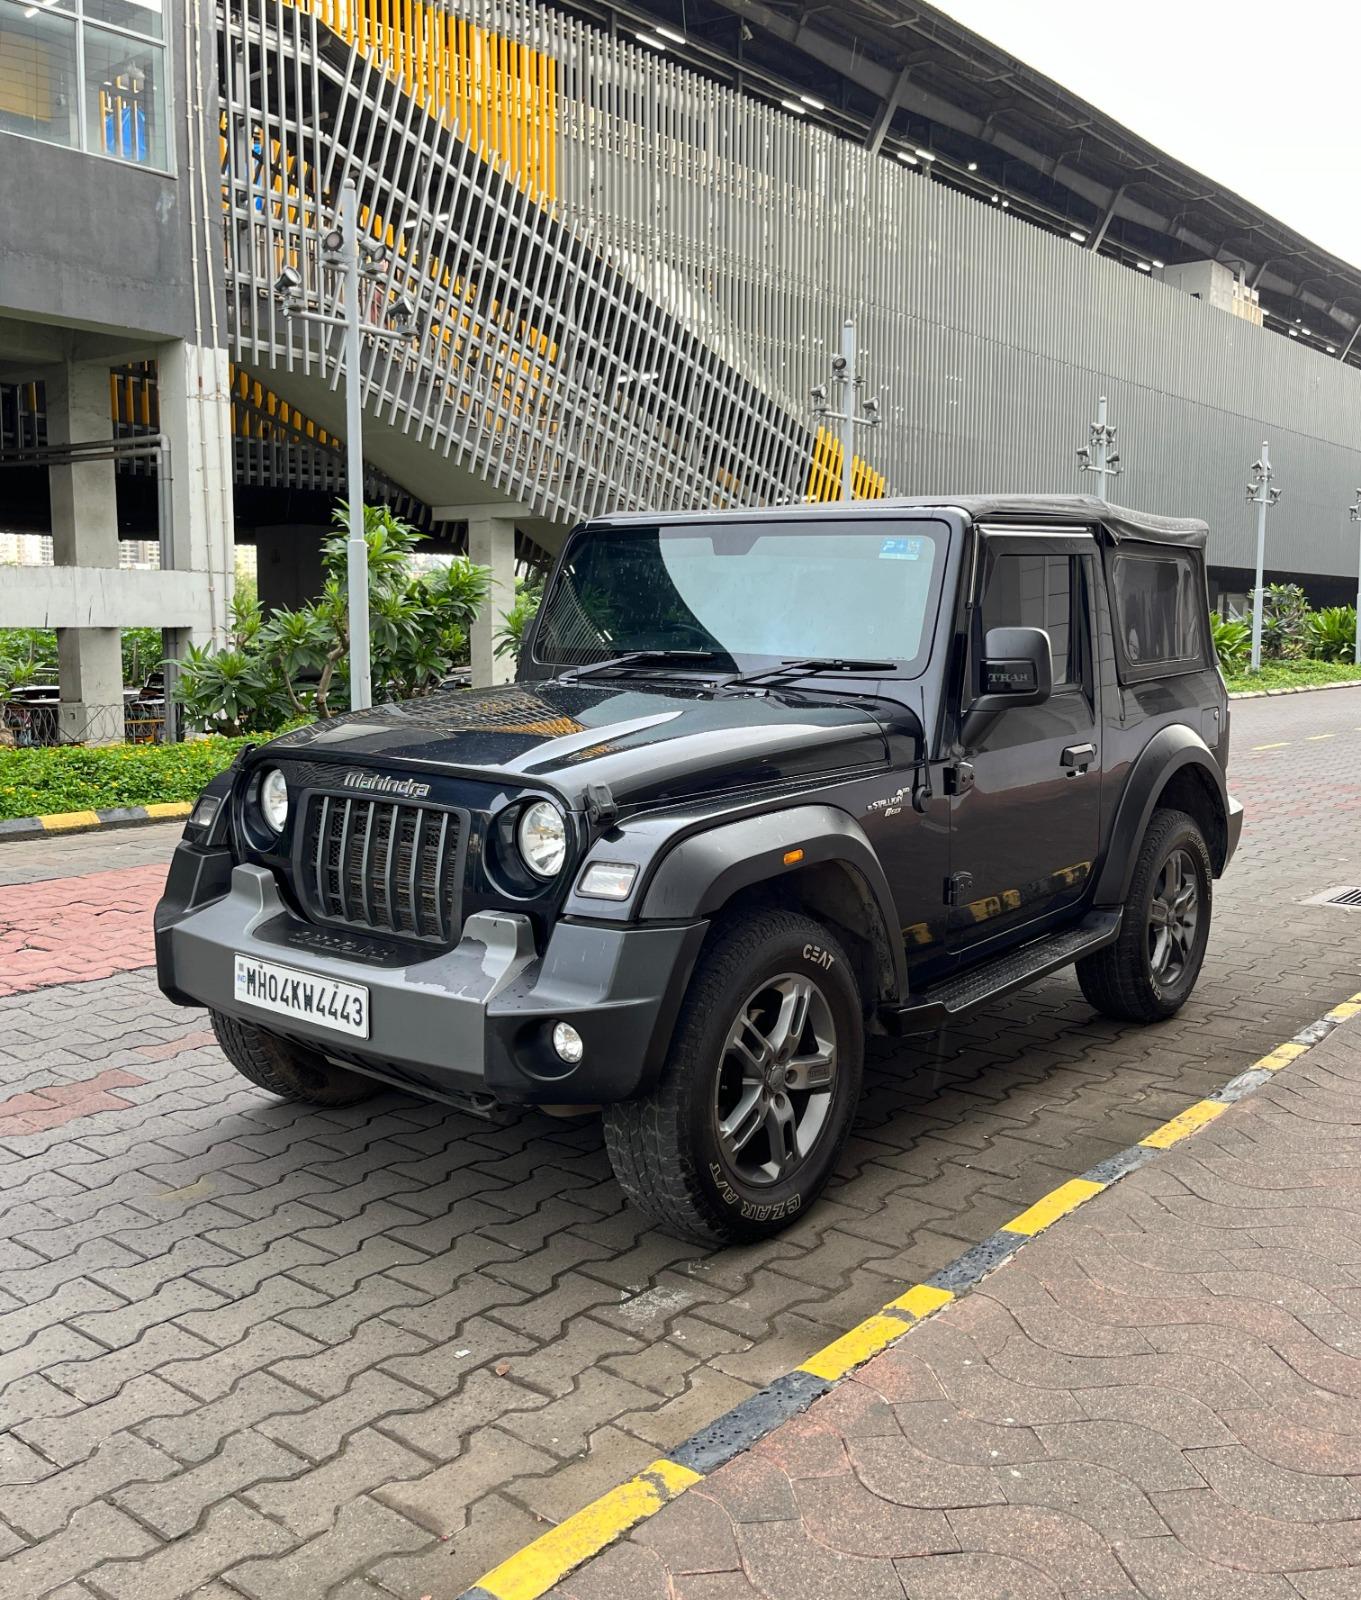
[(407, 788)]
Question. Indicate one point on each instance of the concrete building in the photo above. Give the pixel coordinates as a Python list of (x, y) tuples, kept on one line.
[(110, 254), (630, 235)]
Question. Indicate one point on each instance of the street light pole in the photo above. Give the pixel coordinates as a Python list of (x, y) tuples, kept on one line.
[(1098, 454), (849, 384), (356, 260), (1262, 495), (1355, 512), (356, 548), (847, 420)]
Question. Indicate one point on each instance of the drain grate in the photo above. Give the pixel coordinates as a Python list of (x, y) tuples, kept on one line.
[(1342, 894)]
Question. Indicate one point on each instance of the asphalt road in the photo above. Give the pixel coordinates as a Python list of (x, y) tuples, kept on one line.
[(277, 1351)]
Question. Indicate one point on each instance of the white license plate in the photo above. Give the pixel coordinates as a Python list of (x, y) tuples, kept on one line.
[(290, 993)]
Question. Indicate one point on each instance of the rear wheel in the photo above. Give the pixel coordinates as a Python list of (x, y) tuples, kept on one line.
[(1151, 969), (289, 1070), (759, 1089)]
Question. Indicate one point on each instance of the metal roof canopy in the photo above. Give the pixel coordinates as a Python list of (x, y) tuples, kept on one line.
[(886, 70)]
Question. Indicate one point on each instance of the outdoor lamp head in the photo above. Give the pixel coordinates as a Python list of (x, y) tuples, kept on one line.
[(871, 406), (838, 364), (401, 313), (373, 252), (819, 394), (288, 284), (333, 242)]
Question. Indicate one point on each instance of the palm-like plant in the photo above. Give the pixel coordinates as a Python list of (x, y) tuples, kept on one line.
[(1331, 633)]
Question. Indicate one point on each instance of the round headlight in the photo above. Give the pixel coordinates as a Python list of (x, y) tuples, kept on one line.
[(274, 799), (542, 838)]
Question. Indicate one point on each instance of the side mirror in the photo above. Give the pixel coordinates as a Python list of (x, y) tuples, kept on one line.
[(1017, 669)]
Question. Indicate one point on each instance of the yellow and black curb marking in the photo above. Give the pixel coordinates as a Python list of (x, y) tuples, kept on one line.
[(532, 1571), (86, 821)]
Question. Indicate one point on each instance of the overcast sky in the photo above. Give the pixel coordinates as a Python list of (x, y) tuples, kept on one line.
[(1265, 99)]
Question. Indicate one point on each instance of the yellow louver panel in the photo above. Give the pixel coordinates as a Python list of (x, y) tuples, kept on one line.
[(500, 95), (824, 472)]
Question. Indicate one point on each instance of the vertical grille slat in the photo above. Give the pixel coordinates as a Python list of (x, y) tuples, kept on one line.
[(412, 897), (320, 861), (388, 866), (343, 861)]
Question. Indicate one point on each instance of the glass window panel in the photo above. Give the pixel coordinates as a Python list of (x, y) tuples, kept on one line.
[(141, 16), (1158, 605), (125, 100), (38, 87), (1036, 591)]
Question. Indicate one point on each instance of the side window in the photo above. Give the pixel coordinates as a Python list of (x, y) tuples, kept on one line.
[(1036, 591), (1159, 603)]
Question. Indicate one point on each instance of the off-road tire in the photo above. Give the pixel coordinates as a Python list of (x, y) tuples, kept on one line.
[(663, 1147), (1119, 980), (289, 1070)]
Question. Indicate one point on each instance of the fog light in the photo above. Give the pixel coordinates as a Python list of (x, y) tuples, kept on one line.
[(568, 1042)]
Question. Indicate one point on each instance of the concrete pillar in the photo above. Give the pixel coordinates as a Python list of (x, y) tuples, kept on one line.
[(194, 388), (491, 543), (85, 534), (288, 565)]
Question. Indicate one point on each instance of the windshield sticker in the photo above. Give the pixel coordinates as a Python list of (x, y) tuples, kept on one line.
[(901, 549)]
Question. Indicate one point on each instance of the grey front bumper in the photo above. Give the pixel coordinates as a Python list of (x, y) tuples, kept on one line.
[(475, 1020)]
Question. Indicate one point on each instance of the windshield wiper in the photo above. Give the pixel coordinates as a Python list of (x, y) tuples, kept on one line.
[(809, 668), (635, 658)]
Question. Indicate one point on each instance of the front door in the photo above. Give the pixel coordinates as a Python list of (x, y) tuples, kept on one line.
[(1025, 830)]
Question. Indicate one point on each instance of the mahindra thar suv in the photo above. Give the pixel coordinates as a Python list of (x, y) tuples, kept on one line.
[(768, 781)]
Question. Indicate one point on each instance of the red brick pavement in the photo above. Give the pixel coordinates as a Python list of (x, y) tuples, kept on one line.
[(41, 1110), (69, 930), (1158, 1399)]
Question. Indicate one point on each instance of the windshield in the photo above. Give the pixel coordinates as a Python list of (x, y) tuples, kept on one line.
[(754, 593)]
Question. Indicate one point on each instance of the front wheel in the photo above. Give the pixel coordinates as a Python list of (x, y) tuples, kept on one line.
[(759, 1089), (1149, 972), (289, 1070)]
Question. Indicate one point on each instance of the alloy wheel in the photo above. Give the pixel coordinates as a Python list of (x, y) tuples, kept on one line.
[(1173, 918), (775, 1082)]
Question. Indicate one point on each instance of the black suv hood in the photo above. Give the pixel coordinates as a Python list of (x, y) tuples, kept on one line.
[(648, 743)]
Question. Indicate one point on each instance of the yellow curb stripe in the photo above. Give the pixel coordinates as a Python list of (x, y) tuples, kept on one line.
[(534, 1570), (1313, 738), (1280, 1057), (1057, 1203), (852, 1349), (1348, 1008), (60, 820), (1193, 1117), (920, 1301), (1281, 746), (169, 808)]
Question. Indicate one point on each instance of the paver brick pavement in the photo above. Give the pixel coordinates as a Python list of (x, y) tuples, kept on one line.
[(1151, 1489), (405, 1341)]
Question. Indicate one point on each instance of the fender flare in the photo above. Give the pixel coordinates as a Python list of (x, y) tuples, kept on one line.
[(1168, 752), (704, 870)]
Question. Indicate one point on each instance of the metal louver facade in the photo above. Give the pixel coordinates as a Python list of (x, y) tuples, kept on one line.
[(632, 276)]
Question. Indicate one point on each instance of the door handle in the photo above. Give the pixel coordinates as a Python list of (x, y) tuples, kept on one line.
[(1078, 757)]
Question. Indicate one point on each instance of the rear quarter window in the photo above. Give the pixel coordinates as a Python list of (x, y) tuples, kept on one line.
[(1159, 603)]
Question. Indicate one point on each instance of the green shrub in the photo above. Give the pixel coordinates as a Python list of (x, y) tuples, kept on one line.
[(510, 636), (1331, 634), (37, 782), (1285, 619), (1232, 640)]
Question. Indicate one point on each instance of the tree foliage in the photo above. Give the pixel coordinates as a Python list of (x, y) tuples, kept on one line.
[(295, 663)]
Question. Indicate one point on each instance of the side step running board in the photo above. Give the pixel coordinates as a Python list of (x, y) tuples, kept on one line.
[(955, 997)]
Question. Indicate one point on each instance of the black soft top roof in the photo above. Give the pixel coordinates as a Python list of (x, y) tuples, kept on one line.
[(1032, 510), (1119, 521)]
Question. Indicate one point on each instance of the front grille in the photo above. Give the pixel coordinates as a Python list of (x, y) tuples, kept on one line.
[(383, 865)]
